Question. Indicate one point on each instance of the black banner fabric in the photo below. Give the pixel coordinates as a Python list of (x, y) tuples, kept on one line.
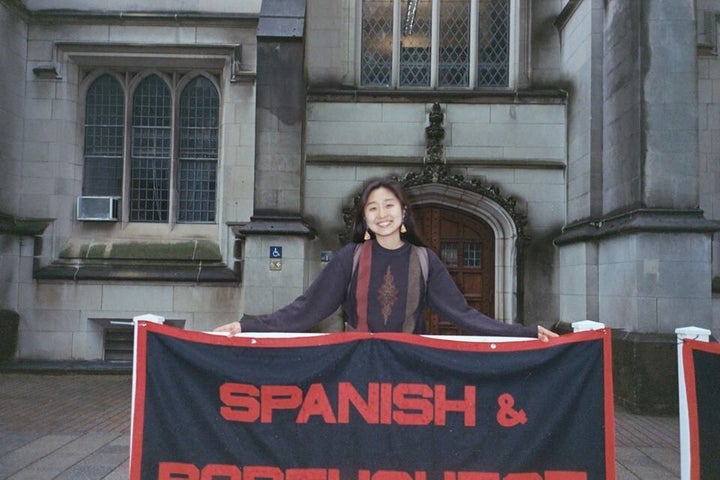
[(357, 406), (701, 361)]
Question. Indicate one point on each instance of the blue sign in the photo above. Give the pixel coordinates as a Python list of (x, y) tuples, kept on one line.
[(275, 252)]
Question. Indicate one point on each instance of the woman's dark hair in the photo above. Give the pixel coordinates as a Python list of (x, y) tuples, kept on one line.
[(360, 227)]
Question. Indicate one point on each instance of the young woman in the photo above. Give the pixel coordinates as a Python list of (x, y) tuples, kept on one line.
[(382, 281)]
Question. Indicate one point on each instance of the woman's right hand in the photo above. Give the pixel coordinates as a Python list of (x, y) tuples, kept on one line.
[(545, 335), (232, 328)]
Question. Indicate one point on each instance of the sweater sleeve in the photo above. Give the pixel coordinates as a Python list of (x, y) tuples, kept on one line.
[(320, 300), (446, 299)]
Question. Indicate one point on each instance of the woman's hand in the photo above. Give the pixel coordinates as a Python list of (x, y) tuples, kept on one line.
[(544, 334), (232, 328)]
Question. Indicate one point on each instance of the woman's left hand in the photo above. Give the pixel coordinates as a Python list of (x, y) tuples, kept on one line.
[(544, 334)]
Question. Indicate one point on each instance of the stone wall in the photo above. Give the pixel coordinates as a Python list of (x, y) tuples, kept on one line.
[(63, 318)]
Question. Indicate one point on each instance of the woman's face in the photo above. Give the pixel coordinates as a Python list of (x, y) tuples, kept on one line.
[(384, 214)]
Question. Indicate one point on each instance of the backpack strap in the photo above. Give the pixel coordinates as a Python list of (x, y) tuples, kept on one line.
[(356, 257), (356, 260), (363, 284), (424, 262)]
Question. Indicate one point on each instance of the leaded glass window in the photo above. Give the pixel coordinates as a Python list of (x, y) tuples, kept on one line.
[(104, 137), (198, 151), (435, 43), (493, 37), (150, 151), (377, 33), (416, 35), (454, 52), (160, 155)]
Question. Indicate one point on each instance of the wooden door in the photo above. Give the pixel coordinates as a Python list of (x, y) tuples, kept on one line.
[(466, 245)]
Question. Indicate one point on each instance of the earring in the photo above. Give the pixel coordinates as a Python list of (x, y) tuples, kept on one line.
[(367, 235), (403, 229)]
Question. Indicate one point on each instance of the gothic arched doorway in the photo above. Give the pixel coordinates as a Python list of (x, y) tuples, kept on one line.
[(466, 245), (500, 225)]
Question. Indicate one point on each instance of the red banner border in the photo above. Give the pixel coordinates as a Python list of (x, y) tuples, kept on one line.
[(689, 346), (484, 344)]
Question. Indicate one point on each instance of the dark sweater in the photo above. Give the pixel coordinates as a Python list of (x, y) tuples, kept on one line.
[(386, 298)]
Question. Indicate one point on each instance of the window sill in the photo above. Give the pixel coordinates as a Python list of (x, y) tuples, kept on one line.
[(402, 95), (183, 261), (139, 273)]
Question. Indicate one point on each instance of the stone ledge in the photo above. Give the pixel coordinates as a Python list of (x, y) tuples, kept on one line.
[(187, 251), (180, 261), (271, 225), (128, 272), (480, 95), (13, 225), (641, 220), (67, 367)]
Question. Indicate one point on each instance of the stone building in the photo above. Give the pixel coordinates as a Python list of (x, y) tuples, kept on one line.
[(194, 158)]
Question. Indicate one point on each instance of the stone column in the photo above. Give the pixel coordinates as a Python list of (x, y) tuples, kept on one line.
[(654, 254), (652, 243), (280, 113)]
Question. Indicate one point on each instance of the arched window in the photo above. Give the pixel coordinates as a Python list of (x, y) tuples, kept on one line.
[(435, 43), (199, 105), (104, 138), (151, 145), (170, 173)]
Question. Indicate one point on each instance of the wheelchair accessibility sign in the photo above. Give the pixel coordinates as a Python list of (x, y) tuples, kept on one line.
[(275, 258)]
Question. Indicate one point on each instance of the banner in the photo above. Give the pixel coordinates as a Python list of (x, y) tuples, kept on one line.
[(360, 406), (702, 383)]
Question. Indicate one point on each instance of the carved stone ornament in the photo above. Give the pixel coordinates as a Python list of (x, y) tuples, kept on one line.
[(434, 135)]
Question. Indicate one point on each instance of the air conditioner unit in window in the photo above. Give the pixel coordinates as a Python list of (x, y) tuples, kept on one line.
[(97, 209)]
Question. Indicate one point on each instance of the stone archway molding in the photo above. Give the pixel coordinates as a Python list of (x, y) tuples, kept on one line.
[(439, 174), (434, 186)]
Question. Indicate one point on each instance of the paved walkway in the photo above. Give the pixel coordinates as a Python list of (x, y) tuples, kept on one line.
[(77, 427)]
